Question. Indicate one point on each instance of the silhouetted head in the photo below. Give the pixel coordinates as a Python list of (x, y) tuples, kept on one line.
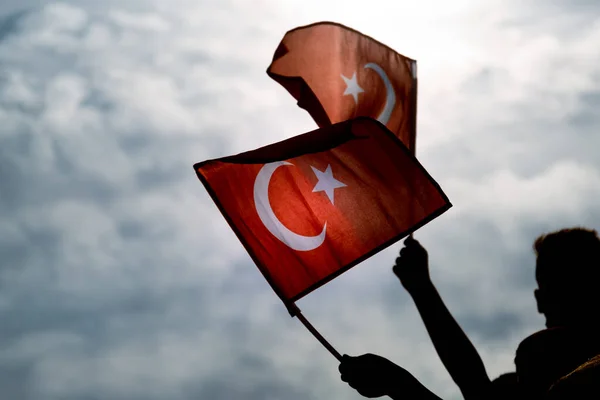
[(568, 276), (547, 355), (582, 383)]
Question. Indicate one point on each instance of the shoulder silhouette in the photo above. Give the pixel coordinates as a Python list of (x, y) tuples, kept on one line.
[(582, 383)]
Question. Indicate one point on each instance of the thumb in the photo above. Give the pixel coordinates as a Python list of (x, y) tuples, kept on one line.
[(346, 359), (346, 364)]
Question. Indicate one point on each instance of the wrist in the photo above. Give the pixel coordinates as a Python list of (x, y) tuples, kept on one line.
[(423, 288), (418, 393)]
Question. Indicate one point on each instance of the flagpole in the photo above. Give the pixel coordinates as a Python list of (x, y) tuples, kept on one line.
[(413, 100), (295, 312)]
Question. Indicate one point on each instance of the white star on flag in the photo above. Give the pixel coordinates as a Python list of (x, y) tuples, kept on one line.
[(326, 182), (352, 87)]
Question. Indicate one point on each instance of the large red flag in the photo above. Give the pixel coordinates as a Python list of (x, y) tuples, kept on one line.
[(309, 208), (337, 73)]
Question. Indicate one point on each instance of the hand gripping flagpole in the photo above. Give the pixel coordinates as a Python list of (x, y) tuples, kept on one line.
[(295, 312)]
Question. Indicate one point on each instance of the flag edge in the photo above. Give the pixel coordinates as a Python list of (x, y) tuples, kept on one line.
[(340, 25)]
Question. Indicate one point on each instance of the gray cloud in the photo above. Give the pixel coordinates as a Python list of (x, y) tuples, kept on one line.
[(120, 280)]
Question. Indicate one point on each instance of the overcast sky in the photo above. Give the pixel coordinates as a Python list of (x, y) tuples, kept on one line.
[(119, 279)]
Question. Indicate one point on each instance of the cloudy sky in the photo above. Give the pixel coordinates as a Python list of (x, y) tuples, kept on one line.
[(119, 279)]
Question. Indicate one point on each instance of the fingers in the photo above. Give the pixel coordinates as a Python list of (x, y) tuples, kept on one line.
[(410, 240), (345, 366), (412, 248), (354, 379), (363, 373), (351, 366), (347, 370), (407, 253)]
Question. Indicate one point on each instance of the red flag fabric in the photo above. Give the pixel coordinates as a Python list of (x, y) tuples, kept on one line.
[(309, 208), (337, 73)]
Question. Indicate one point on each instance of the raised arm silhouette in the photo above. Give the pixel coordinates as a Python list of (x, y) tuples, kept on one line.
[(374, 376), (454, 348)]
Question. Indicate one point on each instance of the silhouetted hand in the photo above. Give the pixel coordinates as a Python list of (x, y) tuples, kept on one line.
[(412, 267), (374, 376)]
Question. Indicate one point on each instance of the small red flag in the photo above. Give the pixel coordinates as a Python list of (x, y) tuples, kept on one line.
[(337, 73), (309, 208)]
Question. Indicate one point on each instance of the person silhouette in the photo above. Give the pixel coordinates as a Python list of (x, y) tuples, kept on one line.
[(567, 274), (567, 270)]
